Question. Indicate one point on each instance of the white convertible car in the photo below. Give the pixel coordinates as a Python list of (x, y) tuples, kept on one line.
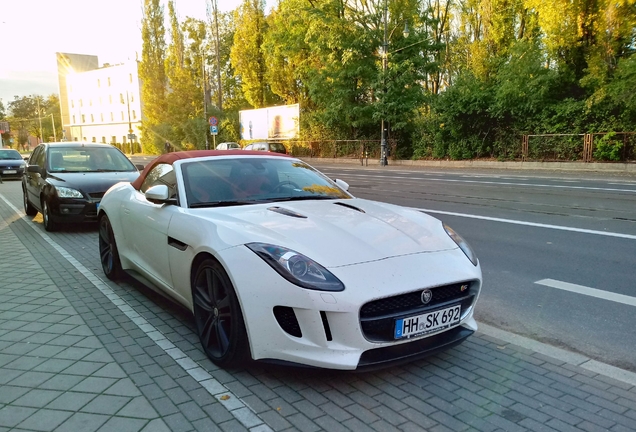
[(279, 263)]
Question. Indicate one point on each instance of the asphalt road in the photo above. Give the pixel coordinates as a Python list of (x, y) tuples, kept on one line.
[(526, 227)]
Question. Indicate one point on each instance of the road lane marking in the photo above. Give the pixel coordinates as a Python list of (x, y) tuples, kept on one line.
[(532, 224), (241, 412), (592, 292), (499, 183)]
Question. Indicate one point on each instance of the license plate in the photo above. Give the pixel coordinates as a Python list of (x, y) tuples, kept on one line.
[(9, 172), (428, 322)]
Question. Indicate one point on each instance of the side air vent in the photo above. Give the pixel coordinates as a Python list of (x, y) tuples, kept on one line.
[(287, 320), (286, 212), (352, 207), (325, 324)]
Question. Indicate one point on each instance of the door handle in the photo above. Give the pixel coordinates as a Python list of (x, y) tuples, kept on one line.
[(126, 210)]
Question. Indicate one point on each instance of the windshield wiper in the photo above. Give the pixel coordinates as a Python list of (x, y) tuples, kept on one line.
[(305, 198), (222, 203), (109, 170)]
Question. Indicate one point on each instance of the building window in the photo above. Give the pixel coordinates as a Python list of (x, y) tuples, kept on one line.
[(99, 84), (92, 118), (104, 140), (84, 139), (72, 104), (73, 118), (90, 102), (113, 139), (112, 117), (83, 120), (81, 103), (134, 114), (130, 77), (100, 100), (121, 98), (122, 115), (124, 139), (94, 139), (132, 97), (102, 117), (110, 99), (108, 81)]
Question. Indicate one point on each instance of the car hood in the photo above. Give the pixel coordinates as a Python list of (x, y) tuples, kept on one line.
[(11, 163), (333, 232), (91, 182)]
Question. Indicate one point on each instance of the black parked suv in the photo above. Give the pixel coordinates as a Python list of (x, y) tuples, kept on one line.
[(66, 181)]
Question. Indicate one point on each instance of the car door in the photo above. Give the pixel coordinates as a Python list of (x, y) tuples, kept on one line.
[(34, 181), (145, 226)]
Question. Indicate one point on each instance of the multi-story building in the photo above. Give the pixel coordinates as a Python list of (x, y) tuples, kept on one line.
[(99, 104)]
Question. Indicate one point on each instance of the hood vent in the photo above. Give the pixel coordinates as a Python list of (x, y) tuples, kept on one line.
[(286, 212), (352, 207)]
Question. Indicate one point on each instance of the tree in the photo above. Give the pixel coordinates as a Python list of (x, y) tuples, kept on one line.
[(153, 76), (247, 53)]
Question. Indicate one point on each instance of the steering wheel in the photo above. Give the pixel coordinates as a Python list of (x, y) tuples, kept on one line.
[(285, 183)]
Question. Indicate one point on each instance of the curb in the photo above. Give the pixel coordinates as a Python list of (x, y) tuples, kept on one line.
[(576, 359)]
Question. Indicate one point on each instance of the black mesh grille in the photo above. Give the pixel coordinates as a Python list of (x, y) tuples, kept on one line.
[(377, 318), (412, 300), (287, 320)]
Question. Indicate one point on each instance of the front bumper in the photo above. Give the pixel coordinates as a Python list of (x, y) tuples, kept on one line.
[(74, 210), (11, 172), (324, 329)]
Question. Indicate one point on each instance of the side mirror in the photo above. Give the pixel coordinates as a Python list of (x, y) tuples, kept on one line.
[(33, 169), (26, 158), (342, 184), (140, 167), (158, 194)]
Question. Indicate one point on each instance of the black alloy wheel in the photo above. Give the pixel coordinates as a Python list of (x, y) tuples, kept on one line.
[(218, 316), (49, 223), (28, 208), (108, 254)]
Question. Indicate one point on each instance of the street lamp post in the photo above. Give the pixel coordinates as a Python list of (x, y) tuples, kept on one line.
[(205, 101), (383, 158), (40, 119), (53, 123), (385, 54)]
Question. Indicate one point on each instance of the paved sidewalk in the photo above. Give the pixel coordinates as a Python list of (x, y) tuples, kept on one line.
[(81, 354)]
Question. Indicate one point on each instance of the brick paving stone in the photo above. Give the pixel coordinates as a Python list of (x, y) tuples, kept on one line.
[(44, 420), (275, 420)]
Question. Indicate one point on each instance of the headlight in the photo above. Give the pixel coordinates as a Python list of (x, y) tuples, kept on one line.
[(297, 268), (463, 245), (64, 192)]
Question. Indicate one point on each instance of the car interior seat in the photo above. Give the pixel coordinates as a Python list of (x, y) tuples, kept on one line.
[(56, 161)]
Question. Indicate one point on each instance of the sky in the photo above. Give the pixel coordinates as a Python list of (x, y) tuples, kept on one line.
[(32, 31)]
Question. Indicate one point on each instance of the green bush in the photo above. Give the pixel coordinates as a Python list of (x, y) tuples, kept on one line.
[(608, 148)]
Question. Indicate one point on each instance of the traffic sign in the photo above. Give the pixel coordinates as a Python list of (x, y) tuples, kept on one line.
[(131, 136), (214, 130), (214, 121)]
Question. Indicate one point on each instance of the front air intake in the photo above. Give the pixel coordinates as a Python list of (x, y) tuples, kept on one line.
[(287, 320)]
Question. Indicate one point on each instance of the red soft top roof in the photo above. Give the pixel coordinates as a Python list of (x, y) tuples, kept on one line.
[(170, 158)]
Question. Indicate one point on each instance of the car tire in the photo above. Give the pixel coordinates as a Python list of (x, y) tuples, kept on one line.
[(218, 316), (28, 207), (49, 224), (108, 253)]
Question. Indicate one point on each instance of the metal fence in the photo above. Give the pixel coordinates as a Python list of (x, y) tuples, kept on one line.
[(588, 147)]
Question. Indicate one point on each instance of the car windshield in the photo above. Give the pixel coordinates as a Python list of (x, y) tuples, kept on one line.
[(10, 155), (88, 159), (240, 181)]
